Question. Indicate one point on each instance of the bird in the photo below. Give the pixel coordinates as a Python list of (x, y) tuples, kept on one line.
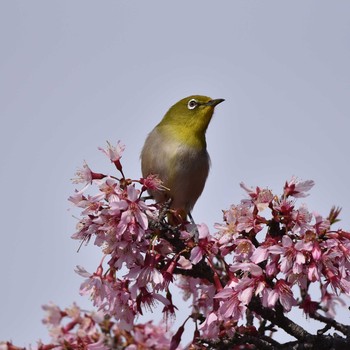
[(176, 152)]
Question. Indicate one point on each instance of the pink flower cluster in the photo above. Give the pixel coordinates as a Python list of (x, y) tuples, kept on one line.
[(268, 249), (118, 219), (73, 328), (276, 257)]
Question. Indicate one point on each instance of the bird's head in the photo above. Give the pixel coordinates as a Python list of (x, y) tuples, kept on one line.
[(193, 113)]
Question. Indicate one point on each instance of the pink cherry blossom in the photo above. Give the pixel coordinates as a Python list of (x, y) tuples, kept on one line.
[(244, 249), (133, 221), (152, 182), (86, 176), (53, 314), (206, 245), (210, 327), (296, 188), (231, 306), (302, 218), (114, 153), (281, 292)]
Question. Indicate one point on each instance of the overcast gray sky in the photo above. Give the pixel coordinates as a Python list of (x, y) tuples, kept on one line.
[(74, 74)]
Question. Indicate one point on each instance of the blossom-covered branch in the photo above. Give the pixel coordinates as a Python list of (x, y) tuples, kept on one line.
[(241, 281)]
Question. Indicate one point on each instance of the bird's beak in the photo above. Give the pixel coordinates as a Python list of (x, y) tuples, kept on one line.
[(215, 102)]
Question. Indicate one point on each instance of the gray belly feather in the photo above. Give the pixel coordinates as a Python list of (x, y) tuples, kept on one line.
[(182, 169)]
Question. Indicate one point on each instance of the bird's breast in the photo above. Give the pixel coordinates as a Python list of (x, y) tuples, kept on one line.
[(182, 168)]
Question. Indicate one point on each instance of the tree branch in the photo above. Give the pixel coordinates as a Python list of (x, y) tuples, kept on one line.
[(278, 319), (332, 323)]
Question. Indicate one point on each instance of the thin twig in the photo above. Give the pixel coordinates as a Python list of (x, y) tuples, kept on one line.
[(333, 323)]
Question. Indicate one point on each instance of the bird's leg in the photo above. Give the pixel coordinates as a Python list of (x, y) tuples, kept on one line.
[(195, 230), (164, 210), (146, 198), (171, 214), (168, 202), (191, 219)]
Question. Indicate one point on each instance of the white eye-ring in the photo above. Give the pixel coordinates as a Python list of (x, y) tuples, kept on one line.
[(192, 104)]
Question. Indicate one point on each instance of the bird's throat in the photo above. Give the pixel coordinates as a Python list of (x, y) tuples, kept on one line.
[(188, 137)]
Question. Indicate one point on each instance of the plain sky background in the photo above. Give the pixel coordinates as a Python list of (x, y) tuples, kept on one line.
[(74, 74)]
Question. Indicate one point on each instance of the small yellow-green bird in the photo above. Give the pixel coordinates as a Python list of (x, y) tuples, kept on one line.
[(176, 151)]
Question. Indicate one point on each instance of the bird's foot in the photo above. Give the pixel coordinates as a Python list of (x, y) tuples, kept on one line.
[(194, 231)]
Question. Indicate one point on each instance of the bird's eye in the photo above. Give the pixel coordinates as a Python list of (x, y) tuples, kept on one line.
[(192, 104)]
